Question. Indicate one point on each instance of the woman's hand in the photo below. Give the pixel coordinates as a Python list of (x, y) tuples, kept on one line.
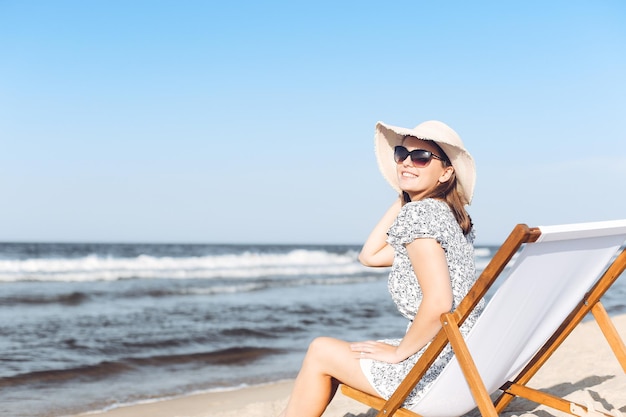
[(376, 350)]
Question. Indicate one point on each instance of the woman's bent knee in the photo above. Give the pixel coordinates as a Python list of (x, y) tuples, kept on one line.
[(333, 358), (320, 346)]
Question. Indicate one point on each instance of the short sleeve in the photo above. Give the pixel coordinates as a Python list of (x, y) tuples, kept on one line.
[(419, 220)]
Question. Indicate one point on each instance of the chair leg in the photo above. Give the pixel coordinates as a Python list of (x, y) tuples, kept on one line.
[(475, 382), (610, 333), (552, 401)]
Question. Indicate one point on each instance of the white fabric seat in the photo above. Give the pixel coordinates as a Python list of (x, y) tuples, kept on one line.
[(547, 280)]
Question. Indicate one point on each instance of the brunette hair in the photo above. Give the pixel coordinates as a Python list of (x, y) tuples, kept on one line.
[(448, 192)]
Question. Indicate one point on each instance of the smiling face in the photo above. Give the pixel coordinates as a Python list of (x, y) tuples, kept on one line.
[(417, 182)]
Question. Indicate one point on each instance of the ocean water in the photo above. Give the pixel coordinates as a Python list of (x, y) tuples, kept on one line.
[(92, 326)]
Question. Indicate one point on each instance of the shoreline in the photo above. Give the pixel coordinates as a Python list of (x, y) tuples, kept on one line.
[(583, 369), (259, 400)]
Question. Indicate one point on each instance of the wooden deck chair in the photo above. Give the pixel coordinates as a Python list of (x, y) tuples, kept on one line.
[(557, 275)]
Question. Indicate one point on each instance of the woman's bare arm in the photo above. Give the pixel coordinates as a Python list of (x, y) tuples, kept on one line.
[(376, 251), (431, 268)]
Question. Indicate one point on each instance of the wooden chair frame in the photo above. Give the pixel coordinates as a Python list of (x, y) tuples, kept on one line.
[(450, 333)]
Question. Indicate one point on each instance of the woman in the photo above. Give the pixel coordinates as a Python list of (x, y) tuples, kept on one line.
[(426, 236)]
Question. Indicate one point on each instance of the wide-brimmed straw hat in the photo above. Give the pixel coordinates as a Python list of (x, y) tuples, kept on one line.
[(388, 137)]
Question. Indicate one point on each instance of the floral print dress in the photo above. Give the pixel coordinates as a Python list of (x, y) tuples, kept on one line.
[(431, 219)]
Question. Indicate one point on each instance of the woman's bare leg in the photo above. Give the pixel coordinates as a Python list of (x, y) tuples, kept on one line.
[(327, 363)]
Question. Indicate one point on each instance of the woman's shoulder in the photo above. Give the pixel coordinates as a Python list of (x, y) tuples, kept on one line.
[(423, 218), (431, 214), (427, 205), (432, 218)]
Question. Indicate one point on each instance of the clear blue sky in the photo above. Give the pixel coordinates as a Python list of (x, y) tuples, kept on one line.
[(237, 122)]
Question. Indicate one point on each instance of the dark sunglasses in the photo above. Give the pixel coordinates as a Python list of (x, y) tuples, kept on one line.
[(420, 157)]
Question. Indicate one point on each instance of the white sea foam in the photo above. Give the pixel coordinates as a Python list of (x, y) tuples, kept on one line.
[(245, 265)]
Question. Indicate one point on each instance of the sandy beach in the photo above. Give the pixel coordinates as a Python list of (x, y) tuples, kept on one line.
[(584, 370)]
